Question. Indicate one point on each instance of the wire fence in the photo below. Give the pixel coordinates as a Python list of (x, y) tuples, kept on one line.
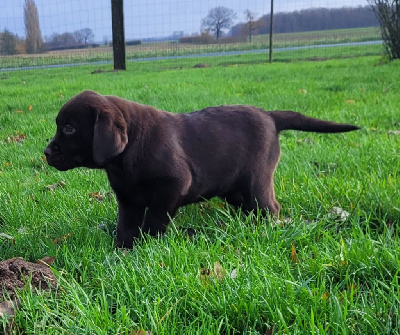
[(72, 32)]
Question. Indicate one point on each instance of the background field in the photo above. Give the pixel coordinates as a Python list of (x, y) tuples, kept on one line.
[(311, 272), (175, 49)]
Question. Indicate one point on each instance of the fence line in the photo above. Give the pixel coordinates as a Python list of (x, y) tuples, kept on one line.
[(79, 31)]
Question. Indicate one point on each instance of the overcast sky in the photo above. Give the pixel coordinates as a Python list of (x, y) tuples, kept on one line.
[(154, 18)]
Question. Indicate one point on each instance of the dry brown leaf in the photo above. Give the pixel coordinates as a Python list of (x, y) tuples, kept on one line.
[(96, 196), (140, 332), (17, 138), (350, 101), (293, 254), (62, 238), (7, 308), (325, 296), (48, 260), (270, 331), (219, 271), (205, 275), (30, 107), (54, 186)]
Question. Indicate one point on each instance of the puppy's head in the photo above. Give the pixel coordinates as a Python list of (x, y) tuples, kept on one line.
[(90, 131)]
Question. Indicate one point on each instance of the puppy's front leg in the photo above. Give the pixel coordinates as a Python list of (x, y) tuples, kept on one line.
[(166, 200), (130, 219)]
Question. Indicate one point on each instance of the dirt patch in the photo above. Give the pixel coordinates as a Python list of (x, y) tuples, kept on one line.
[(201, 65), (103, 71), (16, 273)]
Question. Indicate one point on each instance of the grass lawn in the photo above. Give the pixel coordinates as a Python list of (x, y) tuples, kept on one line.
[(312, 272)]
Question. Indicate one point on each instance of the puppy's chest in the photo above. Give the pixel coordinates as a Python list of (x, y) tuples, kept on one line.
[(129, 186)]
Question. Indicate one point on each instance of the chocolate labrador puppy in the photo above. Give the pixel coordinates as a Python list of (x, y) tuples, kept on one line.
[(157, 161)]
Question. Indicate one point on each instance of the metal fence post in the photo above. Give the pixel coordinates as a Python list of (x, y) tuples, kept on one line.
[(118, 33), (271, 27)]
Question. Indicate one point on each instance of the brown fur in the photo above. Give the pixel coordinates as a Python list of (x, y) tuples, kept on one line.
[(157, 161)]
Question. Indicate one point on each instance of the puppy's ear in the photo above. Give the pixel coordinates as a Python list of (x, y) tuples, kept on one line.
[(110, 134)]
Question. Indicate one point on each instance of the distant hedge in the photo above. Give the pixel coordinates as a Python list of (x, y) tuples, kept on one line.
[(134, 42), (209, 39)]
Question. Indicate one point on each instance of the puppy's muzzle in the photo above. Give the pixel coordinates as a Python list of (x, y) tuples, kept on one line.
[(54, 157)]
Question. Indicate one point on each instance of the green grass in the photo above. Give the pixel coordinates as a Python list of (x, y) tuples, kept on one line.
[(166, 49), (346, 276)]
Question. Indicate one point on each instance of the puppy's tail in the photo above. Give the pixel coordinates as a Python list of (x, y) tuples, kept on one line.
[(285, 120)]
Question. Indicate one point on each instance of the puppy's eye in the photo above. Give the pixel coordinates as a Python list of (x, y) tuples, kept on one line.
[(68, 130)]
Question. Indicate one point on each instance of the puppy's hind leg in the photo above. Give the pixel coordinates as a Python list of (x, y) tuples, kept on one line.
[(263, 200), (261, 195)]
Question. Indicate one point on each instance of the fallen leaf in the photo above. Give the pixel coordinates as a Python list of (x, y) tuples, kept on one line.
[(140, 332), (30, 107), (205, 275), (19, 111), (48, 260), (350, 101), (219, 271), (7, 308), (233, 274), (96, 196), (302, 91), (325, 296), (99, 196), (62, 238), (270, 331), (17, 138), (293, 254), (54, 186), (339, 213)]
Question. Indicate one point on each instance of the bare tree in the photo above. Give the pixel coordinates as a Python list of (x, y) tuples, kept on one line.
[(218, 18), (34, 41), (79, 37), (84, 35), (388, 14), (251, 22)]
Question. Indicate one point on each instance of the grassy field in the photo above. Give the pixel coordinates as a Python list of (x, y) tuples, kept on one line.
[(165, 49), (312, 272)]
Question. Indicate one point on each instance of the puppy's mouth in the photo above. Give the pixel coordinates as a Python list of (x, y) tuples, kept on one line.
[(57, 159), (58, 162)]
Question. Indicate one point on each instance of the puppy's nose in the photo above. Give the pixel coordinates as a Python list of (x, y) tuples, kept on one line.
[(47, 152)]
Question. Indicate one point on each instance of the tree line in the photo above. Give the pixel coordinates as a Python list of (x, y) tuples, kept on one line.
[(33, 43), (308, 20)]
